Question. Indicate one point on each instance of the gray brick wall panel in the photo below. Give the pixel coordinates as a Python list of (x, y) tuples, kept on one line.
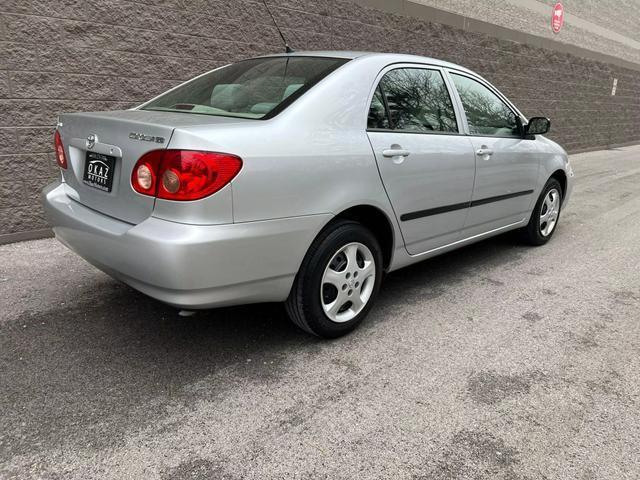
[(69, 55), (32, 140), (8, 141), (18, 56), (28, 167), (5, 92)]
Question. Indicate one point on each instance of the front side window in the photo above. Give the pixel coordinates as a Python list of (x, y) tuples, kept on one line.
[(418, 101), (487, 115), (249, 89)]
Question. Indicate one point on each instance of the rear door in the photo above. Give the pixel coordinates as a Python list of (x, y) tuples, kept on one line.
[(506, 163), (426, 163)]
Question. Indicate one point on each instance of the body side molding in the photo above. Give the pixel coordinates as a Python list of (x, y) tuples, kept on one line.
[(459, 206)]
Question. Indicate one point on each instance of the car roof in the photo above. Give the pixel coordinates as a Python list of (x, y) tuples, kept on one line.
[(388, 58), (391, 57)]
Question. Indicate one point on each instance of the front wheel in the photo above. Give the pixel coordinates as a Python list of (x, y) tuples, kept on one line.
[(338, 281), (546, 214)]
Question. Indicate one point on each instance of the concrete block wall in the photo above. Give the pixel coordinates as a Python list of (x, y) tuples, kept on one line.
[(74, 55), (605, 26)]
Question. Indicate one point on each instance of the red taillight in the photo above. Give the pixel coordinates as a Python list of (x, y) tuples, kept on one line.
[(61, 158), (144, 177), (183, 174)]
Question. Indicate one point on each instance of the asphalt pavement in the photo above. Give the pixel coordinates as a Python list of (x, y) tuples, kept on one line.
[(497, 361)]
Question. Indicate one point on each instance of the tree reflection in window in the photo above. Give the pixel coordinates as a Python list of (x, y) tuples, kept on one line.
[(418, 101), (486, 113), (377, 113)]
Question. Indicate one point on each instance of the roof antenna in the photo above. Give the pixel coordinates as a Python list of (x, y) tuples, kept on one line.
[(287, 48)]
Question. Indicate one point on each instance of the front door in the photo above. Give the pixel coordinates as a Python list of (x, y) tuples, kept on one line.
[(506, 164), (426, 164)]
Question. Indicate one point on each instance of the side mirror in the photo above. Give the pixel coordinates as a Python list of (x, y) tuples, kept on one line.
[(537, 126)]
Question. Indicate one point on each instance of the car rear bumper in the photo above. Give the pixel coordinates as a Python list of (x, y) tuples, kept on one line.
[(188, 266)]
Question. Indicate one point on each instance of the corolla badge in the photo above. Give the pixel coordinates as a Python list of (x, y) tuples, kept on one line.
[(91, 141), (145, 138)]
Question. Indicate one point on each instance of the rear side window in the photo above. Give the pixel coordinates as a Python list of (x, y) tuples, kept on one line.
[(378, 117), (417, 100), (256, 88), (487, 114)]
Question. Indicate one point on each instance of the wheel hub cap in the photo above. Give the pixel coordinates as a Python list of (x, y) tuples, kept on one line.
[(347, 282), (549, 212)]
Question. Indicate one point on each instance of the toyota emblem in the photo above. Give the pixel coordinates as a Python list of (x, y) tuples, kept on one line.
[(91, 141)]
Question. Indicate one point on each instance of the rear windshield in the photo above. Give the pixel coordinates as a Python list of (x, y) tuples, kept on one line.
[(256, 88)]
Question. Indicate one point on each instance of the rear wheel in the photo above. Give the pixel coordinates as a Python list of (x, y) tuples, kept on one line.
[(546, 214), (338, 281)]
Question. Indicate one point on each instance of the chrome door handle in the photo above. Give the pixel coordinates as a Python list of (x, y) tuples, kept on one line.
[(484, 152), (395, 152)]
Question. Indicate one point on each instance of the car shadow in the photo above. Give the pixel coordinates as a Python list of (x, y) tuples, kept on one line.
[(87, 373)]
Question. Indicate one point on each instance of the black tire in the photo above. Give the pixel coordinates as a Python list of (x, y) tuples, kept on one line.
[(304, 303), (532, 233)]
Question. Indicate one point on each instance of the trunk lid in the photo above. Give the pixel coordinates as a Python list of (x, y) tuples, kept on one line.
[(112, 142)]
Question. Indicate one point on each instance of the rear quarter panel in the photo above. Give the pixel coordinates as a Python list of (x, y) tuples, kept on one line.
[(313, 158)]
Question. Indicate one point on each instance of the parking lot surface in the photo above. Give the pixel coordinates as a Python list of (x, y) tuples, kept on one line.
[(497, 361)]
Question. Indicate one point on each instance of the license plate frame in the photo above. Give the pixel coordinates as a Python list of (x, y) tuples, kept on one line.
[(99, 170)]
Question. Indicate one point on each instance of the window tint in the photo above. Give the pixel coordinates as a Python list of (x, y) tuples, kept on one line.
[(377, 112), (250, 89), (486, 113), (418, 101)]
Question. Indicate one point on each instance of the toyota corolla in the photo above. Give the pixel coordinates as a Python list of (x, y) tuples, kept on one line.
[(302, 178)]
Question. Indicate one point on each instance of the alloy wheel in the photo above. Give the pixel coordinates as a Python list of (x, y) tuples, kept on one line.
[(348, 282), (549, 212)]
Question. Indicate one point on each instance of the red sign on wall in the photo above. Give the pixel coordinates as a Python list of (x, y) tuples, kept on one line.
[(557, 20)]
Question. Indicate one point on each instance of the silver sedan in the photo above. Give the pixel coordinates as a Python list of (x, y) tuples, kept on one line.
[(302, 178)]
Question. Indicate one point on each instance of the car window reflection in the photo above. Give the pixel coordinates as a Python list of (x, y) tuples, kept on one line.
[(486, 113), (418, 100)]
